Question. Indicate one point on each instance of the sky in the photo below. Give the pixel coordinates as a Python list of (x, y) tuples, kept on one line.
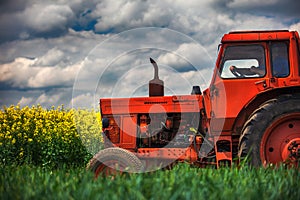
[(72, 53)]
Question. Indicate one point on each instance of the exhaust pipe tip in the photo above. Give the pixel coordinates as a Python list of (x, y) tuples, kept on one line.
[(156, 86), (152, 61)]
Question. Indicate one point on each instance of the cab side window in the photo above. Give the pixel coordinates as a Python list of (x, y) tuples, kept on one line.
[(243, 61), (280, 59)]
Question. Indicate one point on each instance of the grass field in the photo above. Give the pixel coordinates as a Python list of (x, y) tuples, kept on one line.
[(44, 154), (183, 182)]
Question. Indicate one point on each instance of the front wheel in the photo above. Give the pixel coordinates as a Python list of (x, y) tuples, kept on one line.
[(112, 161), (272, 133)]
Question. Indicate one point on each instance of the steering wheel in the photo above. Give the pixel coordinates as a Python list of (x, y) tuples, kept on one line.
[(164, 126), (234, 71)]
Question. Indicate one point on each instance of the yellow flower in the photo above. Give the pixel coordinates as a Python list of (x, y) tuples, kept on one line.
[(13, 141), (30, 140), (8, 136)]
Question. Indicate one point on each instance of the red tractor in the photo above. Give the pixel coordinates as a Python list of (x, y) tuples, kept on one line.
[(250, 110)]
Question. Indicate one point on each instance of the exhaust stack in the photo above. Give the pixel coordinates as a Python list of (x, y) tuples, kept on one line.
[(156, 86)]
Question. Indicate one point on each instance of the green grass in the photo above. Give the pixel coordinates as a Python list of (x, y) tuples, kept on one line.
[(183, 182)]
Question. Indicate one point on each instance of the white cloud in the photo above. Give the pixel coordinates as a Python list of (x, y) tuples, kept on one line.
[(44, 17), (85, 100), (247, 3), (121, 15), (45, 99), (74, 45), (295, 27), (49, 33), (51, 58), (53, 76), (187, 53), (24, 101), (22, 73), (17, 72)]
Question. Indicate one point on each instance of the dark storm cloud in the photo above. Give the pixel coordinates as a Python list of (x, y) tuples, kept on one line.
[(34, 19), (8, 6), (28, 19), (272, 8), (53, 96)]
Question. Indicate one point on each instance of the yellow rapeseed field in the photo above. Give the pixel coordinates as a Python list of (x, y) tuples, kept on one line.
[(48, 137)]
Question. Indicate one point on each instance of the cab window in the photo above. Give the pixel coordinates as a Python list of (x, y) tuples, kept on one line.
[(280, 59), (243, 61)]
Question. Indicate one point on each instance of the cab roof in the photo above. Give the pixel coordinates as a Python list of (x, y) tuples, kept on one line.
[(238, 36)]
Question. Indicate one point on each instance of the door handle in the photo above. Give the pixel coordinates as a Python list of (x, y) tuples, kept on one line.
[(262, 84)]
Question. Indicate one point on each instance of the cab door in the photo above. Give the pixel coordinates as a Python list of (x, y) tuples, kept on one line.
[(240, 75)]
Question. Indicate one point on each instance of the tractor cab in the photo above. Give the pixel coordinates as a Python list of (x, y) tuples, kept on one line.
[(251, 67)]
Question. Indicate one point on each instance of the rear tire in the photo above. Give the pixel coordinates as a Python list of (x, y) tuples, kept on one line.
[(271, 131), (112, 161)]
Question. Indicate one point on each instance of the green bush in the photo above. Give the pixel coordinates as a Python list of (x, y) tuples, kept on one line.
[(49, 138)]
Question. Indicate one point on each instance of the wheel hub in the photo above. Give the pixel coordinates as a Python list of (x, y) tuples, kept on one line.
[(291, 151), (281, 142)]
